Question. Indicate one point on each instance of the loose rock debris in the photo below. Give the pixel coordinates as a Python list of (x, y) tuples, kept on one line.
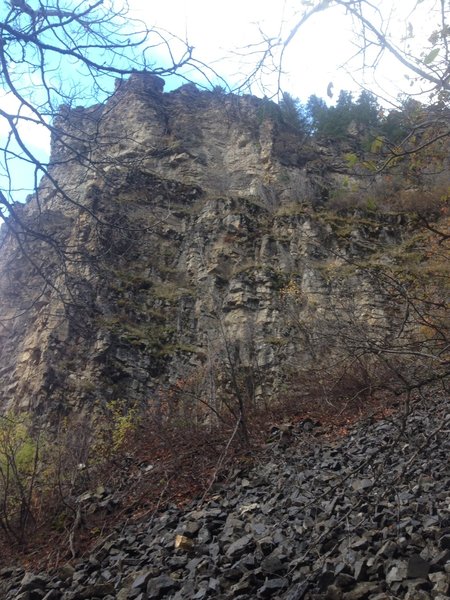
[(366, 516)]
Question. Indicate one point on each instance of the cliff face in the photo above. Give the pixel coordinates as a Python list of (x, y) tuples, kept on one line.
[(181, 241)]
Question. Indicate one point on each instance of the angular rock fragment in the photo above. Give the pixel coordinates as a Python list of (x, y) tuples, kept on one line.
[(417, 567)]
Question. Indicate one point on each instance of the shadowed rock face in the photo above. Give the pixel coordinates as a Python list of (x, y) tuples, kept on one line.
[(179, 222)]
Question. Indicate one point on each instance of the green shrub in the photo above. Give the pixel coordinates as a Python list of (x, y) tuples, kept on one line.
[(19, 471)]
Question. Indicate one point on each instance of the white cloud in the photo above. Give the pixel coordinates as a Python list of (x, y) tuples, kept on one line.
[(33, 134), (316, 54), (227, 35), (17, 174)]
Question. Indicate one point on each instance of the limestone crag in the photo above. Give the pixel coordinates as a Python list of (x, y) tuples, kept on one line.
[(164, 238)]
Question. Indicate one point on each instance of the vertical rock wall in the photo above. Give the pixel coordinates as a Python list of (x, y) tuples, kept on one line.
[(177, 223)]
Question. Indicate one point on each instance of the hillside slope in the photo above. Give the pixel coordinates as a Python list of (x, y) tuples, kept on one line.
[(365, 516)]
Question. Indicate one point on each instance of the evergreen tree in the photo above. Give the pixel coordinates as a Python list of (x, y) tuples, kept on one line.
[(316, 111), (366, 110), (292, 113)]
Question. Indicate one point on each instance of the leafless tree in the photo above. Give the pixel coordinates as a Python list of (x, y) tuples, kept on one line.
[(412, 349), (376, 35), (57, 53), (55, 56)]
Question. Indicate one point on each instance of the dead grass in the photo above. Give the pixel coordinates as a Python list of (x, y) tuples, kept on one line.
[(174, 465)]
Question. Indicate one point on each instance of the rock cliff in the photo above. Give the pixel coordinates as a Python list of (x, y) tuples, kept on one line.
[(177, 235)]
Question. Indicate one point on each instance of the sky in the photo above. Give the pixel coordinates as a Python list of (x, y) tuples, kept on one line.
[(227, 36)]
